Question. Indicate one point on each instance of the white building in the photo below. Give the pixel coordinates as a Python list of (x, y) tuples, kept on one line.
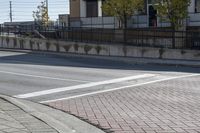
[(87, 13)]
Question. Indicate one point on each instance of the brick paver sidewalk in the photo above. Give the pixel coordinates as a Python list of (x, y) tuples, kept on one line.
[(15, 120), (169, 106)]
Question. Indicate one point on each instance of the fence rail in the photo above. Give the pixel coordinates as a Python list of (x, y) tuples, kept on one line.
[(162, 38)]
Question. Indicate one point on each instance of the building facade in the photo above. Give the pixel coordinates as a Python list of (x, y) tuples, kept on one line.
[(86, 13), (85, 8)]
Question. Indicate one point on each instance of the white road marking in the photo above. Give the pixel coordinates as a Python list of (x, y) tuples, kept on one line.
[(92, 84), (44, 77), (119, 88)]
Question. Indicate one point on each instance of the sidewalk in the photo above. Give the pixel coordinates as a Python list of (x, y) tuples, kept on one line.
[(20, 116), (14, 119), (171, 106)]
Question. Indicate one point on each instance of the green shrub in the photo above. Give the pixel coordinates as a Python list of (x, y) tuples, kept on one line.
[(98, 49), (67, 47), (143, 51), (161, 52), (21, 42), (87, 48), (7, 40), (183, 52), (76, 46), (15, 42), (31, 44), (57, 46), (48, 44), (125, 50)]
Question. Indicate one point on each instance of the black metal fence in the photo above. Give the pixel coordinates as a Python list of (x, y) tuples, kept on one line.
[(162, 38)]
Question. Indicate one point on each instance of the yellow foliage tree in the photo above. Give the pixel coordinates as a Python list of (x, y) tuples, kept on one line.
[(122, 9), (41, 14), (174, 11)]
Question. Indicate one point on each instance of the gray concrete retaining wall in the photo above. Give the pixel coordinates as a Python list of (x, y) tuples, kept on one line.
[(97, 49)]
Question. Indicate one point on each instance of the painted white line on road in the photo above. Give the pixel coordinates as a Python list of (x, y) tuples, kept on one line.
[(44, 77), (87, 85), (119, 88)]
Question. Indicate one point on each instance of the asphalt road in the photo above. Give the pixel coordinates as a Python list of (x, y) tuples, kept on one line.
[(47, 78)]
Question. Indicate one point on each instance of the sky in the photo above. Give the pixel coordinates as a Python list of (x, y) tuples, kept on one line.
[(23, 9)]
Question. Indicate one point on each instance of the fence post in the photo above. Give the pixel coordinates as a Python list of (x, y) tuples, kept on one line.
[(173, 39), (183, 40), (137, 21), (91, 34), (142, 38), (81, 34), (91, 22), (101, 35), (0, 29), (154, 37), (72, 33), (114, 22), (45, 31), (124, 34), (102, 22)]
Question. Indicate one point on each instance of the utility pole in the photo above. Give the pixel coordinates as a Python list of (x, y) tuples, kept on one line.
[(11, 11)]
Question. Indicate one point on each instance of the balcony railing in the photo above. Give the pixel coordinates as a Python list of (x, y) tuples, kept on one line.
[(95, 22), (139, 21)]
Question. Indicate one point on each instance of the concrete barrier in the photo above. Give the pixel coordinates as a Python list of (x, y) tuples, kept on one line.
[(97, 49)]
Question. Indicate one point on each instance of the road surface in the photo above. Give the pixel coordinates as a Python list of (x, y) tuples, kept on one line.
[(112, 94)]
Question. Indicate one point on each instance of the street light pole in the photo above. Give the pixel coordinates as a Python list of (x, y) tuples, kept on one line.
[(10, 11)]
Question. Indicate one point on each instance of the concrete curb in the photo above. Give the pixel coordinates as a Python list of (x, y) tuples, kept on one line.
[(129, 60), (60, 121)]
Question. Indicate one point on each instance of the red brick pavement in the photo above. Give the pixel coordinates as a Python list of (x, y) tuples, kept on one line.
[(170, 106)]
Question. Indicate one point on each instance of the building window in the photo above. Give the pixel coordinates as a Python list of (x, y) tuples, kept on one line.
[(197, 6), (92, 8), (151, 1)]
